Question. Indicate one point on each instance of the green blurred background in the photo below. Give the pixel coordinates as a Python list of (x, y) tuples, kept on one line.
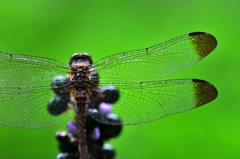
[(58, 28)]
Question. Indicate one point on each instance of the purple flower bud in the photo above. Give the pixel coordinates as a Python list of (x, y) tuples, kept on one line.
[(72, 127), (95, 135), (105, 108)]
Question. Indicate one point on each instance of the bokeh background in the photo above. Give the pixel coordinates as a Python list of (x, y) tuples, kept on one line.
[(58, 28)]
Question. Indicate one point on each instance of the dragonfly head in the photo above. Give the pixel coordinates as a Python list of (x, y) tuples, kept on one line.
[(80, 58)]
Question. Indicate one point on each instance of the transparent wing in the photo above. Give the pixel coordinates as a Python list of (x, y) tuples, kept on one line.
[(25, 90), (159, 60), (142, 102), (22, 70)]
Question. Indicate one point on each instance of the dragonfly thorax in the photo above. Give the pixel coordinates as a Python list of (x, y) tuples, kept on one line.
[(80, 64), (80, 76)]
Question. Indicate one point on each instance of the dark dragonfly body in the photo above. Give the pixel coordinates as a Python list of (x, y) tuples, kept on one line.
[(80, 76)]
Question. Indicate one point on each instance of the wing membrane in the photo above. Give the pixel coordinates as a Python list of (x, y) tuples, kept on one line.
[(25, 83), (26, 107), (20, 70), (142, 102), (159, 60), (25, 90)]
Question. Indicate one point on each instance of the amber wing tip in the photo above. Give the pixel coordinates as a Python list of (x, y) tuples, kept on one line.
[(205, 92), (197, 33), (204, 43)]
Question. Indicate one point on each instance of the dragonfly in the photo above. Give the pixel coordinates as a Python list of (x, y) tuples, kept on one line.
[(25, 84)]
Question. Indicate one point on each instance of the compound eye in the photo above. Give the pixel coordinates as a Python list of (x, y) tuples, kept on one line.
[(74, 55), (81, 57), (87, 57)]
